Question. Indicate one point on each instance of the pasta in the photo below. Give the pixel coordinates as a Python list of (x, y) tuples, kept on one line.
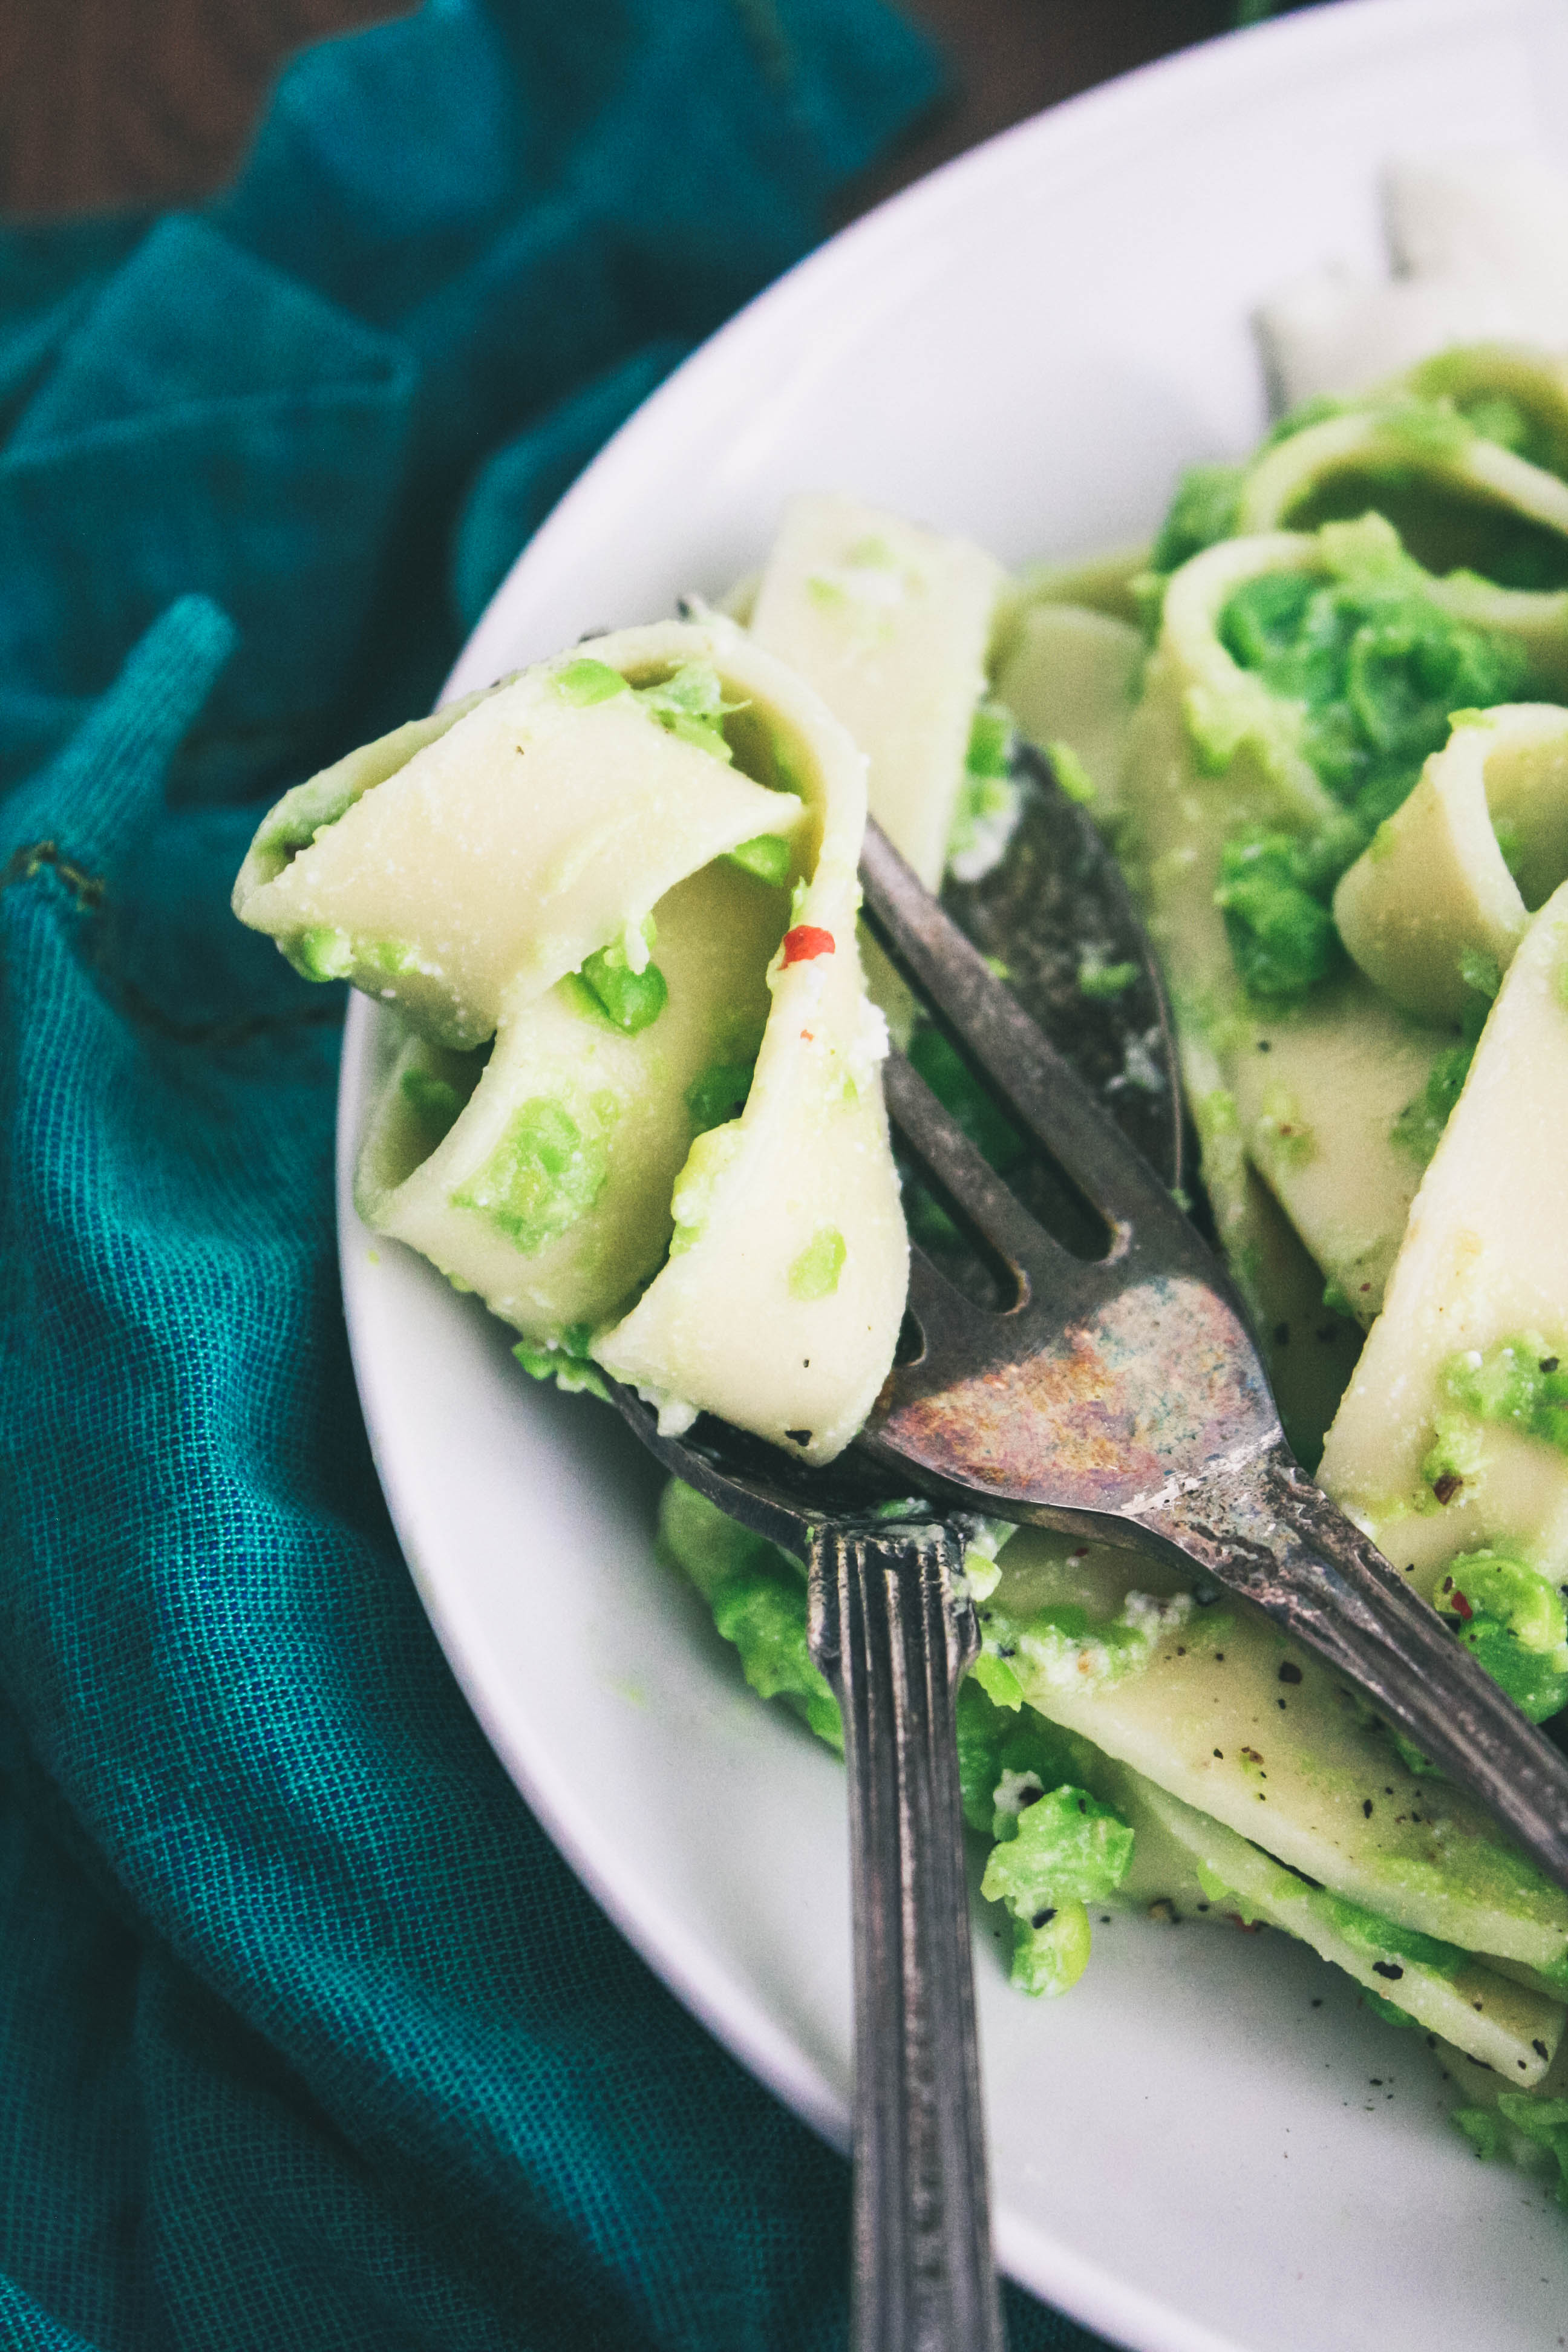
[(673, 1160), (630, 1095)]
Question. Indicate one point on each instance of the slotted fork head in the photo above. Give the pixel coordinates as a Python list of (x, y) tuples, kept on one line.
[(1101, 1382)]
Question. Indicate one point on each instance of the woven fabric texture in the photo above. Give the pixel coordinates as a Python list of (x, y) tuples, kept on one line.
[(308, 2037)]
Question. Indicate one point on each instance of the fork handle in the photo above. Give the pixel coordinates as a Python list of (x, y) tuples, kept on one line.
[(1265, 1530), (894, 1639)]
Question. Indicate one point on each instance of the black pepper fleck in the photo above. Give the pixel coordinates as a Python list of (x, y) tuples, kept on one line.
[(1289, 1672), (1389, 1968), (1043, 1918), (798, 1437), (1282, 1335), (1366, 1808)]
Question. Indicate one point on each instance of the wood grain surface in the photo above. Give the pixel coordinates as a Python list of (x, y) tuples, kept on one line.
[(109, 104)]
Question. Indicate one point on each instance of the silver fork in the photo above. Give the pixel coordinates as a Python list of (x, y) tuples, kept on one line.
[(1123, 1398)]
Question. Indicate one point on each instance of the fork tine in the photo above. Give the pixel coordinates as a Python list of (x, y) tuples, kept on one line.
[(1038, 1085), (946, 1154)]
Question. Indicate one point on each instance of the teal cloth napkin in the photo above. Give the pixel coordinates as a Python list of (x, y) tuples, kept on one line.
[(307, 2038)]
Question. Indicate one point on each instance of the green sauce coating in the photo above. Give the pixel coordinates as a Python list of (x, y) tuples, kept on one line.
[(719, 1093), (1497, 416), (1419, 1126), (815, 1272), (1379, 667), (633, 1001), (437, 1101), (691, 704), (1514, 1614), (1202, 512), (757, 1594), (1378, 1938), (1520, 1383), (1282, 938), (542, 1176), (321, 954), (1105, 980), (567, 1363), (1066, 1850), (769, 857), (1544, 2122), (961, 1093), (766, 1620), (1483, 2127), (586, 682)]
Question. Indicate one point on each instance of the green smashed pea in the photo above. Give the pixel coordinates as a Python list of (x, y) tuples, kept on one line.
[(632, 1000), (1067, 1850), (1512, 1618), (757, 1594), (1201, 513), (586, 682), (322, 954), (1521, 1383), (1377, 666), (1483, 2127), (769, 857), (567, 1364), (1282, 938), (690, 703), (765, 1618), (815, 1272), (542, 1176)]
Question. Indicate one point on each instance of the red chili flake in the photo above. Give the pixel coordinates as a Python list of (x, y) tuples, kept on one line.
[(1461, 1607), (806, 941)]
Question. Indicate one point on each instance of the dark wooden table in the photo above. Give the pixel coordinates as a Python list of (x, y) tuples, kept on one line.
[(106, 104)]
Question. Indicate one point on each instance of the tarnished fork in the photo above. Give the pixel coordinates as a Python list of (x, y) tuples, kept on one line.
[(1121, 1398), (1124, 1397)]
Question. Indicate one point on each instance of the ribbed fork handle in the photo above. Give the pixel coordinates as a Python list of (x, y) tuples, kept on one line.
[(892, 1639), (1264, 1530)]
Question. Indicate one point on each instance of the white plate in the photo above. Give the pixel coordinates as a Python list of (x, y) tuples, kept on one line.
[(1189, 2154)]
